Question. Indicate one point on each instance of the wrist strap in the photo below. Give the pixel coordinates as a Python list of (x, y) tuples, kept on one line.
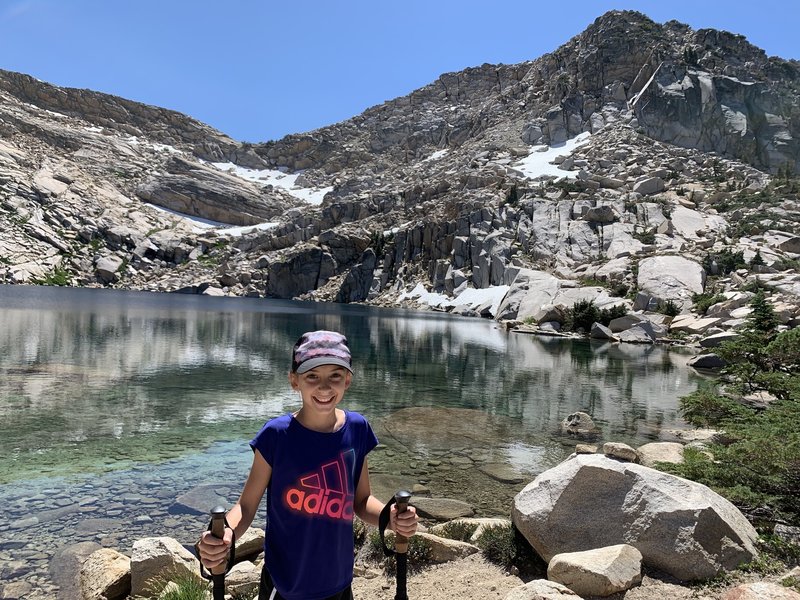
[(383, 522)]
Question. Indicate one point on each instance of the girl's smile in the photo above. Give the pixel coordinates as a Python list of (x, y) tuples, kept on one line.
[(321, 389)]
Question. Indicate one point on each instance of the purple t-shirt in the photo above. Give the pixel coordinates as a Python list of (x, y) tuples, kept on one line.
[(308, 548)]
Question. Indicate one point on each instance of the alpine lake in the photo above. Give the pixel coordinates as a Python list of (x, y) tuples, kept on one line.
[(126, 415)]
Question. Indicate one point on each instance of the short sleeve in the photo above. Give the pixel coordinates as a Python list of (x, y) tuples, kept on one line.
[(264, 442), (370, 439)]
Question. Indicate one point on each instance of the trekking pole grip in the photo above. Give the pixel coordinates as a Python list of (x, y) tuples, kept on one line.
[(218, 531), (401, 500)]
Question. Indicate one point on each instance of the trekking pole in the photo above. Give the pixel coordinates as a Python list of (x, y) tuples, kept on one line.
[(400, 551), (217, 529), (218, 572), (401, 548)]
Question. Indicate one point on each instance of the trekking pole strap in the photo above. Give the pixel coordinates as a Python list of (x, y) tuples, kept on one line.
[(383, 523)]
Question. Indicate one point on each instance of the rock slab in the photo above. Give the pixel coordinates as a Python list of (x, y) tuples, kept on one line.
[(599, 572)]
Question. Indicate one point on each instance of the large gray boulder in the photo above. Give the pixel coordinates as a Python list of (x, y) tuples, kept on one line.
[(675, 278), (529, 291), (591, 501)]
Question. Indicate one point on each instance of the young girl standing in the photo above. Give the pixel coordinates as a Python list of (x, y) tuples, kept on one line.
[(313, 466)]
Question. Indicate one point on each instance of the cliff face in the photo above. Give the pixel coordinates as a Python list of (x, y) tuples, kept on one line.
[(663, 140), (707, 90)]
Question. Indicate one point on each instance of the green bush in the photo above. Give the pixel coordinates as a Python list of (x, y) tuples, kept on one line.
[(757, 259), (419, 552), (758, 466), (457, 530), (57, 277), (506, 547), (182, 587), (582, 315), (702, 302), (498, 544), (360, 531), (646, 237), (707, 408), (615, 312), (726, 261), (669, 308)]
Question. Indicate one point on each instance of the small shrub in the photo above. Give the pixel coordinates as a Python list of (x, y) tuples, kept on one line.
[(513, 195), (420, 552), (360, 531), (763, 564), (458, 530), (506, 547), (791, 582), (620, 290), (669, 308), (780, 549), (582, 315), (646, 237), (498, 545), (787, 264), (566, 185), (182, 587), (724, 262), (702, 302), (755, 286), (58, 277), (615, 312), (706, 408)]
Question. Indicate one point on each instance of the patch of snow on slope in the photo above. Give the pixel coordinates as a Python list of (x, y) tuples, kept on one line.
[(200, 225), (538, 162), (470, 296), (285, 181)]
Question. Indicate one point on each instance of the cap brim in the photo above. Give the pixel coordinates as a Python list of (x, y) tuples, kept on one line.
[(319, 361)]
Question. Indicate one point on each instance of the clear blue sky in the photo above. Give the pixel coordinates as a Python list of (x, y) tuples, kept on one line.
[(260, 69)]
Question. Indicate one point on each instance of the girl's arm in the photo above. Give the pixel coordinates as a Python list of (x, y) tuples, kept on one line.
[(213, 550), (369, 508)]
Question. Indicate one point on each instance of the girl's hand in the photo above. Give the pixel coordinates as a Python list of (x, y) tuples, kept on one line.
[(404, 523), (213, 551)]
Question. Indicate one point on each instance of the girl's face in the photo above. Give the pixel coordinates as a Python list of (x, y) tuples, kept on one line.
[(323, 387)]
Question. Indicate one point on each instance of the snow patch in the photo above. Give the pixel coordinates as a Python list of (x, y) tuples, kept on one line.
[(200, 225), (539, 161), (435, 156), (470, 296), (285, 181), (167, 147)]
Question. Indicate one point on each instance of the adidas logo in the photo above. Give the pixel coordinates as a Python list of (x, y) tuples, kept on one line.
[(326, 492)]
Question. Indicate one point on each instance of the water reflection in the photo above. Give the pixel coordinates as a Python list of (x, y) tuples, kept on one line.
[(82, 371)]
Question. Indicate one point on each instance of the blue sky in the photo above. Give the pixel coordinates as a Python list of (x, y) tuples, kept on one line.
[(261, 69)]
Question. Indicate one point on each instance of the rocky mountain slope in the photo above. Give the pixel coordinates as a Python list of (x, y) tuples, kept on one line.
[(637, 158)]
